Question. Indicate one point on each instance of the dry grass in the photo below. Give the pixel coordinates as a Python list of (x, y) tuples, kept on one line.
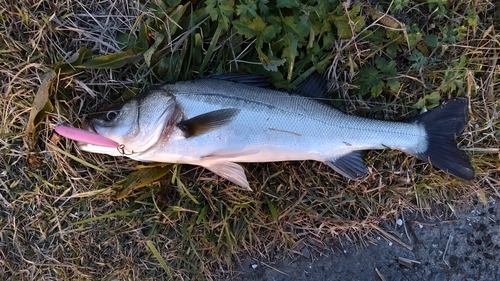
[(60, 219)]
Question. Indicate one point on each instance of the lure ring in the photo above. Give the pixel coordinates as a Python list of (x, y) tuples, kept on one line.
[(121, 149)]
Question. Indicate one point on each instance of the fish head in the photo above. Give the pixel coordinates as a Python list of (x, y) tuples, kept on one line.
[(136, 125)]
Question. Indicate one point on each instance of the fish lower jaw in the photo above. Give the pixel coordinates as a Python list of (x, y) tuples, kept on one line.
[(112, 151)]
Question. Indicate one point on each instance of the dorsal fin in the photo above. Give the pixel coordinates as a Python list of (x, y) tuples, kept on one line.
[(255, 80), (208, 121), (315, 87)]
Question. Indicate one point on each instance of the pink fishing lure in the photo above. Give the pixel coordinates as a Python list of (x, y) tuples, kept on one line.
[(84, 136)]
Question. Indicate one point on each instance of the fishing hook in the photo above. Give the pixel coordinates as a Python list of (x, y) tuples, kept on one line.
[(121, 149)]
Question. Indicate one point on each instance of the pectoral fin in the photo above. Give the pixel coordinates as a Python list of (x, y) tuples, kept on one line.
[(350, 165), (208, 121), (230, 171)]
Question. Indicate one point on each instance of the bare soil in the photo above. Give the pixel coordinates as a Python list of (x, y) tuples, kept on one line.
[(464, 247)]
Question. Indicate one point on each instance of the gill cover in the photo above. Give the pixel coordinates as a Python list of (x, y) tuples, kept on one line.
[(137, 124)]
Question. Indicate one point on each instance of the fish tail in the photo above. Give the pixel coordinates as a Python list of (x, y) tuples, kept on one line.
[(442, 125)]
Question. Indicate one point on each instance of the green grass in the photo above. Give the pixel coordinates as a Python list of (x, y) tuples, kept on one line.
[(89, 217)]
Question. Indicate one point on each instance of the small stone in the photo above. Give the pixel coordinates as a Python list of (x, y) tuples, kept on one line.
[(440, 277), (337, 267), (305, 252)]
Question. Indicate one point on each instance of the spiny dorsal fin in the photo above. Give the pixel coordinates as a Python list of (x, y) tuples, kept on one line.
[(315, 86), (255, 80), (208, 121)]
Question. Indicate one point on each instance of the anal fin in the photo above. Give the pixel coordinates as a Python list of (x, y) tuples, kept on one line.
[(230, 171), (350, 165)]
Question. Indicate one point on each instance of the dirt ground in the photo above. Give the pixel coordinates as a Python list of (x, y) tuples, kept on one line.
[(465, 246)]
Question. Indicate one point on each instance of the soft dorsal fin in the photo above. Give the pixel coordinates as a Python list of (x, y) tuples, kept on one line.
[(255, 80), (350, 165), (208, 121), (315, 86)]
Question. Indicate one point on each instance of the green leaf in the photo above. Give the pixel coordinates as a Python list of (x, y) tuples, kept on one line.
[(290, 26), (394, 84), (370, 81), (41, 104), (174, 17), (429, 101), (388, 68), (291, 54), (160, 259), (392, 50), (248, 28), (272, 209), (220, 10), (69, 66), (270, 32), (414, 35), (141, 178), (242, 27), (142, 40), (346, 25), (343, 29), (246, 9), (270, 63), (180, 185), (149, 53), (257, 25), (85, 163), (418, 58), (211, 48), (380, 62), (431, 40), (472, 18), (106, 216), (377, 88), (264, 7), (288, 4), (111, 61)]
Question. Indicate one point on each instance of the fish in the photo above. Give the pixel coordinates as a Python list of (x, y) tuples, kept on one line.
[(220, 121)]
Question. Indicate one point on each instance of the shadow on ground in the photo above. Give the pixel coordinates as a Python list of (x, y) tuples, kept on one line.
[(466, 247)]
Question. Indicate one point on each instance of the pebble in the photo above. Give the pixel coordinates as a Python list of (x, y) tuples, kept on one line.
[(439, 277)]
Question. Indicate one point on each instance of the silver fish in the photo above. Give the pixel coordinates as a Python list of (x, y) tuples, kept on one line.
[(217, 123)]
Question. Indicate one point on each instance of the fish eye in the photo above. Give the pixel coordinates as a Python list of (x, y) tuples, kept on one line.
[(111, 115)]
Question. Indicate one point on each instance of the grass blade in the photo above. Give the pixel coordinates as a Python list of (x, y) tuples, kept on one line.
[(75, 158), (115, 214), (160, 259)]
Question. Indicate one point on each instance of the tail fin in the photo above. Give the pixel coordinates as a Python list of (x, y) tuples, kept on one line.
[(442, 125)]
